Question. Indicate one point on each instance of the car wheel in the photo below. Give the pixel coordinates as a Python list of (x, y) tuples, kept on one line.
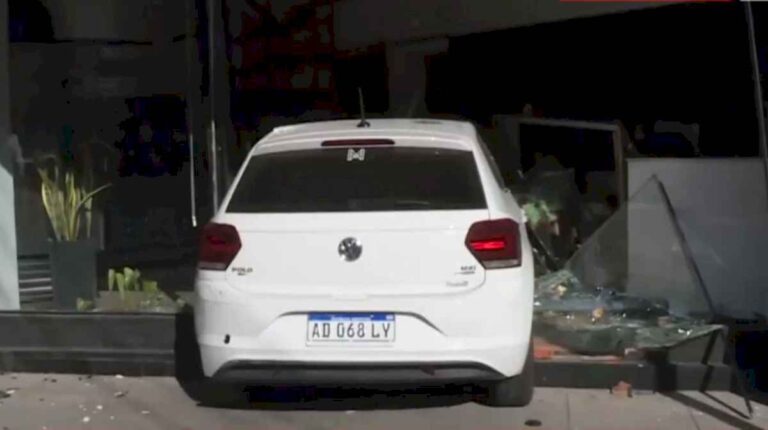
[(514, 391)]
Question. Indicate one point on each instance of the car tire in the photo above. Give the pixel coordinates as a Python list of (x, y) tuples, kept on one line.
[(515, 391)]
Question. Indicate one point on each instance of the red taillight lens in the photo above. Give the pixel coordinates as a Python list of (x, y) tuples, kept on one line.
[(219, 244), (495, 243), (488, 245)]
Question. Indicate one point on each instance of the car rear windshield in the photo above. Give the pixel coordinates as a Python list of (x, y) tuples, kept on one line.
[(359, 179)]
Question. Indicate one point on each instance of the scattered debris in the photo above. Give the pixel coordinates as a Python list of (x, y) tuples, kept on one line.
[(120, 394), (533, 423), (145, 412), (598, 314), (665, 321), (119, 376), (99, 407), (543, 350), (4, 395), (111, 417), (557, 283), (41, 399), (633, 354), (349, 412), (622, 389), (86, 419), (9, 392), (53, 380)]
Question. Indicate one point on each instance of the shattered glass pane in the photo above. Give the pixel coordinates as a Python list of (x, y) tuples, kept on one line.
[(631, 286), (639, 251)]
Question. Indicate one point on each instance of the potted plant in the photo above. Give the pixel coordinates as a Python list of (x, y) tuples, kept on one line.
[(68, 205)]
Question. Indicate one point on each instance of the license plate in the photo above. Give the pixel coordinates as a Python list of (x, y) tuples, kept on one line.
[(355, 328)]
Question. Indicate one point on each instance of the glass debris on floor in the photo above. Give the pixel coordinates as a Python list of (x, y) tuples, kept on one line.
[(606, 322), (613, 298)]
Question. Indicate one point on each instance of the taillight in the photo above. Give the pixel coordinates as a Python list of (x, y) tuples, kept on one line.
[(219, 244), (496, 243)]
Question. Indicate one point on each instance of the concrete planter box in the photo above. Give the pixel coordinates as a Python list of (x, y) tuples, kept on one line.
[(90, 342), (134, 301)]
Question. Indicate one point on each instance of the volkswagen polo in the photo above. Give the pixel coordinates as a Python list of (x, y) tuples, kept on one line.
[(385, 254)]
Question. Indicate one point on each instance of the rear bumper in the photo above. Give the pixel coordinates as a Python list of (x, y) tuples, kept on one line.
[(297, 373), (461, 360), (469, 335)]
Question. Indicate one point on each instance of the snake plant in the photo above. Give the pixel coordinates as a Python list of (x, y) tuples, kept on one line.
[(67, 203)]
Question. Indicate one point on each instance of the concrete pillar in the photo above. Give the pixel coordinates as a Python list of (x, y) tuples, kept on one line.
[(408, 75), (9, 276)]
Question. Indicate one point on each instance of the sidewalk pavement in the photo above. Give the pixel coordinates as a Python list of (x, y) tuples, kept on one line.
[(68, 402)]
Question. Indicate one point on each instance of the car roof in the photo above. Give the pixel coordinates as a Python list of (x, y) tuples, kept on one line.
[(349, 129)]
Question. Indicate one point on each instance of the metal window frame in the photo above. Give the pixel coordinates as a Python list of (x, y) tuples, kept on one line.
[(618, 132)]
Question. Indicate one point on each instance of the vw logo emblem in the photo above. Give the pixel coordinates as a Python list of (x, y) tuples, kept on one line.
[(350, 249)]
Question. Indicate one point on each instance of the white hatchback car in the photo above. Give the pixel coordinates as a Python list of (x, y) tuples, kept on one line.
[(349, 255)]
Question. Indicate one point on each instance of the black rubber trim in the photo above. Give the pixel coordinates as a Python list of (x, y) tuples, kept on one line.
[(270, 372)]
